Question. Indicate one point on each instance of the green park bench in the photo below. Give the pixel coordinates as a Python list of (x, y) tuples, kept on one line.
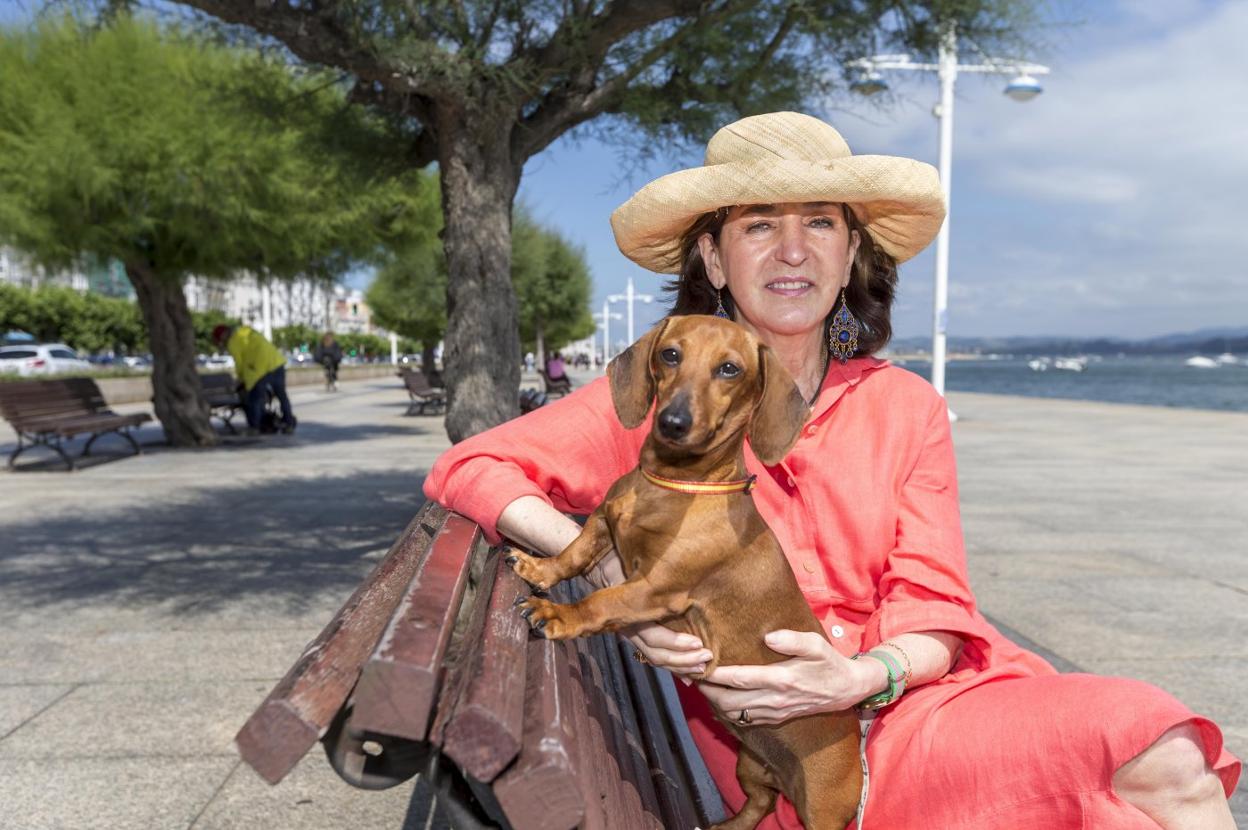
[(427, 669)]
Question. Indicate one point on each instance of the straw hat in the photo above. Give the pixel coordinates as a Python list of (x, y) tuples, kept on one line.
[(782, 157)]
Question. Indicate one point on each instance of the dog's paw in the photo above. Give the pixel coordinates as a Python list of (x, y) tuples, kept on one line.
[(534, 570), (547, 618)]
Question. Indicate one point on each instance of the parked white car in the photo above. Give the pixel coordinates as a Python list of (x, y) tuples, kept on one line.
[(41, 359), (219, 361)]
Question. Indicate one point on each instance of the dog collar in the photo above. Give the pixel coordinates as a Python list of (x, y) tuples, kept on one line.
[(700, 488)]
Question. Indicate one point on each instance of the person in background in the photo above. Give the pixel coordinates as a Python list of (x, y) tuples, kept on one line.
[(329, 354), (260, 368), (555, 369)]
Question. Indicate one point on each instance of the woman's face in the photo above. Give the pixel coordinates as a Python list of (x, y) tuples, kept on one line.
[(784, 264)]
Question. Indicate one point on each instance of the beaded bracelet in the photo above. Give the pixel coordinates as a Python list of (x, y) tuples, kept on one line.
[(896, 680), (905, 658)]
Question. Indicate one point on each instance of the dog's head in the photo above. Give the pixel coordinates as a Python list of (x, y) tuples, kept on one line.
[(712, 380)]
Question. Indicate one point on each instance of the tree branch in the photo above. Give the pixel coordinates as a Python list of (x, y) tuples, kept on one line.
[(424, 149)]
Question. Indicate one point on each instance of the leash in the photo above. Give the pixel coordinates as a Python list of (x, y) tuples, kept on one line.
[(701, 488)]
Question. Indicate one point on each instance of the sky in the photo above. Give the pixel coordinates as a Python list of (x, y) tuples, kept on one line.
[(1110, 205)]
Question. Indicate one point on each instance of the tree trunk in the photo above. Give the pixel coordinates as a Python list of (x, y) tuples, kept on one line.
[(427, 363), (178, 399), (481, 354)]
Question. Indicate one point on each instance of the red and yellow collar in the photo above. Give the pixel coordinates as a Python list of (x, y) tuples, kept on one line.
[(700, 488)]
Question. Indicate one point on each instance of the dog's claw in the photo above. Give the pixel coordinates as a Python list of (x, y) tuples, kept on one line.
[(511, 560), (540, 624), (541, 594), (519, 600), (525, 613)]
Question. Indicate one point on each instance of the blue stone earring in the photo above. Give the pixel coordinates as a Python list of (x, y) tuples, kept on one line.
[(843, 333), (720, 311)]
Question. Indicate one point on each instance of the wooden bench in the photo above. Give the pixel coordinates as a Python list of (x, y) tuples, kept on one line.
[(220, 390), (558, 386), (428, 669), (422, 395), (49, 412)]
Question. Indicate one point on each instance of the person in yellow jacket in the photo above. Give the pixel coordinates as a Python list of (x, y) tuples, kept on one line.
[(260, 368)]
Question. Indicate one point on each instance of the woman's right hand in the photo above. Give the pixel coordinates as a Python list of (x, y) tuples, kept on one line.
[(679, 653)]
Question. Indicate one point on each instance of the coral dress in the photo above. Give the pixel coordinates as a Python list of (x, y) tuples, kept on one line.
[(866, 509)]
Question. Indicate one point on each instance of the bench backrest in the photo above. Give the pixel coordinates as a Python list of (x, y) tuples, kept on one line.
[(217, 382), (429, 667), (418, 384), (27, 404)]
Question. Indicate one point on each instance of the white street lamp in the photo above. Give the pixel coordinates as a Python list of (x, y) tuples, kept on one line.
[(630, 296), (1023, 87), (605, 317)]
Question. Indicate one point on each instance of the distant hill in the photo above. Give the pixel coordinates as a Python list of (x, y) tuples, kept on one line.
[(1209, 341)]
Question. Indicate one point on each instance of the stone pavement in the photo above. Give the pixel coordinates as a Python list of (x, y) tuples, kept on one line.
[(148, 604)]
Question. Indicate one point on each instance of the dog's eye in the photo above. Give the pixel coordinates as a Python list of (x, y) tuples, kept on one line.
[(728, 370), (669, 356)]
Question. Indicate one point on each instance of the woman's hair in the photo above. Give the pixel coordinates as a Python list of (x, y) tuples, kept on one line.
[(869, 295)]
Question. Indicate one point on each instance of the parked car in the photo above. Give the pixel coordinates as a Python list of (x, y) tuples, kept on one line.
[(41, 359), (134, 361), (219, 361)]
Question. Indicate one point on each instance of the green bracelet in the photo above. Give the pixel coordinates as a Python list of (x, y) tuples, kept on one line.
[(896, 680)]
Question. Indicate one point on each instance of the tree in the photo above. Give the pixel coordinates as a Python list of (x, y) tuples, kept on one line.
[(89, 323), (552, 285), (490, 83), (408, 295), (177, 157)]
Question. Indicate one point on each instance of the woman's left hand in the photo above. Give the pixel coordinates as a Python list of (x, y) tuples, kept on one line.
[(816, 678)]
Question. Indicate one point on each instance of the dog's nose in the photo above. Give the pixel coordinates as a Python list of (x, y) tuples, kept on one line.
[(675, 421)]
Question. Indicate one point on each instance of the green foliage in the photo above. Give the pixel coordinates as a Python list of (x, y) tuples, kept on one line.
[(88, 323), (134, 143), (408, 295), (363, 345), (552, 284), (296, 338), (205, 322)]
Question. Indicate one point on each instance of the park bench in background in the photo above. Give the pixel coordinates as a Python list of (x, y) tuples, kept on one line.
[(558, 386), (221, 392), (49, 412), (422, 395), (428, 669)]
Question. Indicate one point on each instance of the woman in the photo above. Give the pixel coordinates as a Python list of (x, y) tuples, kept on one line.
[(329, 354), (797, 240)]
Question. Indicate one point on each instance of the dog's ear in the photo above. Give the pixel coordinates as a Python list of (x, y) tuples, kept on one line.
[(780, 413), (632, 383)]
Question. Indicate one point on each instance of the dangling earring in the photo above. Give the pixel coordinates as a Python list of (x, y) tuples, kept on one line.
[(720, 311), (843, 333)]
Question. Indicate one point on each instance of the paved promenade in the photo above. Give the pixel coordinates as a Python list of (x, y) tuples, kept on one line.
[(148, 604)]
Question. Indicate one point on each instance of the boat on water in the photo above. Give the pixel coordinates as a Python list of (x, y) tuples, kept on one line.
[(1226, 359), (1039, 364), (1201, 362), (1071, 364)]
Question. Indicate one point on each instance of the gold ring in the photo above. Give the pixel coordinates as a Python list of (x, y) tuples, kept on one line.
[(744, 717), (639, 657)]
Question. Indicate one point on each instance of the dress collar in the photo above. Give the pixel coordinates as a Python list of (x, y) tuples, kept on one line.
[(840, 377)]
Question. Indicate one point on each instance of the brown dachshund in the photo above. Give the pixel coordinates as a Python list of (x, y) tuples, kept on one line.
[(706, 563)]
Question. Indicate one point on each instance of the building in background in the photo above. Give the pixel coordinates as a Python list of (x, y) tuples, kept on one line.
[(15, 269)]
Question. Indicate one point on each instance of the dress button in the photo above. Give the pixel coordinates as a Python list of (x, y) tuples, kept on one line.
[(792, 483), (810, 430), (836, 631), (809, 567)]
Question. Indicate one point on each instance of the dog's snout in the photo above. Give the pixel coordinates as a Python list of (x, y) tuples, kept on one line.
[(675, 420)]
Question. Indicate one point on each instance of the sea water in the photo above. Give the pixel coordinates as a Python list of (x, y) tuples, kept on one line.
[(1156, 381)]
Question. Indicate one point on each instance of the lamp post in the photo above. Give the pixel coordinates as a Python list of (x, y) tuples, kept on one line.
[(605, 317), (630, 296), (1022, 87)]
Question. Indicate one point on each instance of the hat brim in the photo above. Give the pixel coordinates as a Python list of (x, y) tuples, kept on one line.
[(898, 200)]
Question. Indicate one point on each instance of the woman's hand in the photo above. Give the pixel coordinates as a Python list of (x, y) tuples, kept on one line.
[(816, 678)]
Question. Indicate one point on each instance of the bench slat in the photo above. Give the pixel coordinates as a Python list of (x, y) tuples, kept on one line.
[(592, 769), (399, 683), (669, 775), (540, 792), (483, 733), (622, 707), (302, 705)]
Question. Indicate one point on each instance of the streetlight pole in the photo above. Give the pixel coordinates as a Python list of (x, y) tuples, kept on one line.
[(606, 316), (630, 296), (1023, 87)]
